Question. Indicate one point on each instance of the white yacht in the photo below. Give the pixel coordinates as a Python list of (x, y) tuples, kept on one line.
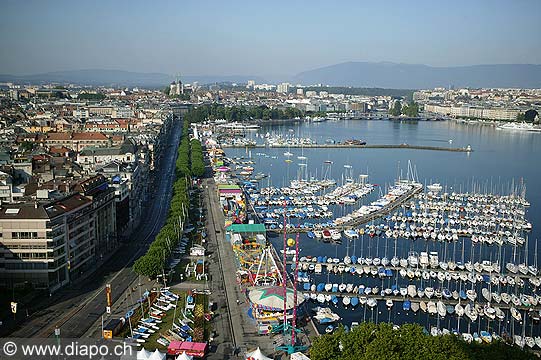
[(514, 126)]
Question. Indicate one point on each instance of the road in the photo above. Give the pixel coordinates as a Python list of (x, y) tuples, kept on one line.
[(73, 310)]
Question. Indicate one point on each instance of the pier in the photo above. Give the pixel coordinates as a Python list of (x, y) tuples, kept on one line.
[(395, 269), (417, 188), (400, 298), (366, 218), (353, 146)]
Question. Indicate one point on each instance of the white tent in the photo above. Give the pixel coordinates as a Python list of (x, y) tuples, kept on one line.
[(156, 355), (256, 355), (184, 356), (143, 354), (298, 356)]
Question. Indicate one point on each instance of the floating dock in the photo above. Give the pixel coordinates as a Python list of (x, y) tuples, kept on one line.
[(400, 298), (363, 219)]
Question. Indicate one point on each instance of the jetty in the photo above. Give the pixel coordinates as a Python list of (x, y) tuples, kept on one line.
[(360, 268), (400, 298), (385, 210), (466, 149)]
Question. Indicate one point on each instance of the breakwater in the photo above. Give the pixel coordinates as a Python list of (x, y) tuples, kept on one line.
[(354, 146)]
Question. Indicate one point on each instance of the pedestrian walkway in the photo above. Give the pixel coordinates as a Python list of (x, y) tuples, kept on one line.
[(243, 330)]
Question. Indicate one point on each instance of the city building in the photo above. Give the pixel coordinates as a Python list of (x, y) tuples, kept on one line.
[(283, 88), (103, 203), (176, 88), (46, 246)]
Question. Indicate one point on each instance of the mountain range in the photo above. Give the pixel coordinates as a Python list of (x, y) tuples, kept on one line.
[(411, 76), (355, 74), (99, 77)]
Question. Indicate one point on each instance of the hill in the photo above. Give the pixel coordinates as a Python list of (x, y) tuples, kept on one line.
[(99, 77), (412, 76)]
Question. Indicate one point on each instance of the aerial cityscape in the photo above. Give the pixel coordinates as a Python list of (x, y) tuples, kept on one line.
[(306, 180)]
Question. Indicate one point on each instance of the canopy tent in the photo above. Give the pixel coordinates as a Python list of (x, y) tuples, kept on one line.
[(257, 355), (190, 348), (143, 354), (156, 355), (184, 356), (272, 298)]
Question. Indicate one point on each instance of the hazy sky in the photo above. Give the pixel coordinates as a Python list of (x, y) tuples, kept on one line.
[(262, 37)]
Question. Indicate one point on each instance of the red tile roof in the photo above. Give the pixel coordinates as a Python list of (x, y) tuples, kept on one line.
[(89, 136), (58, 136)]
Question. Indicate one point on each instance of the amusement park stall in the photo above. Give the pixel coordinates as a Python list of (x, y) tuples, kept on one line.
[(249, 231), (194, 349), (248, 242), (232, 202)]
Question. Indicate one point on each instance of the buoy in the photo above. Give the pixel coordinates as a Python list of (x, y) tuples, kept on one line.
[(290, 242)]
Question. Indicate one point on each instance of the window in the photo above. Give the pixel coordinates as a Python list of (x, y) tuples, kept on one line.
[(24, 235)]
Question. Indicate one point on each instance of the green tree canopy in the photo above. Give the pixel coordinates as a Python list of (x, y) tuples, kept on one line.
[(91, 96), (396, 110), (369, 341), (411, 109), (240, 113), (153, 262)]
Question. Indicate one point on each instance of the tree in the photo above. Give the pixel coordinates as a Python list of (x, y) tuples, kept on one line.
[(325, 347), (91, 96), (521, 117), (197, 160), (148, 265), (410, 341), (26, 146), (411, 110), (153, 262), (396, 110)]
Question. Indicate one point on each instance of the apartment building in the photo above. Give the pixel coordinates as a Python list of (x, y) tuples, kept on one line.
[(46, 245), (93, 157), (129, 182), (77, 141), (477, 112), (102, 196), (101, 110)]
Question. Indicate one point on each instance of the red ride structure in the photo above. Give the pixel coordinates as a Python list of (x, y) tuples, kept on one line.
[(289, 331)]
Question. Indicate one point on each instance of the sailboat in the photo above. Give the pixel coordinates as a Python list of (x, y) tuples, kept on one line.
[(516, 314), (348, 173), (302, 157), (288, 153), (459, 310)]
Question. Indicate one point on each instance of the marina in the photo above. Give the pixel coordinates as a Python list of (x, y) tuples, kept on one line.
[(456, 257)]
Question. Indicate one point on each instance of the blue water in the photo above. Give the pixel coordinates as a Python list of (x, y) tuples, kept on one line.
[(500, 158)]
